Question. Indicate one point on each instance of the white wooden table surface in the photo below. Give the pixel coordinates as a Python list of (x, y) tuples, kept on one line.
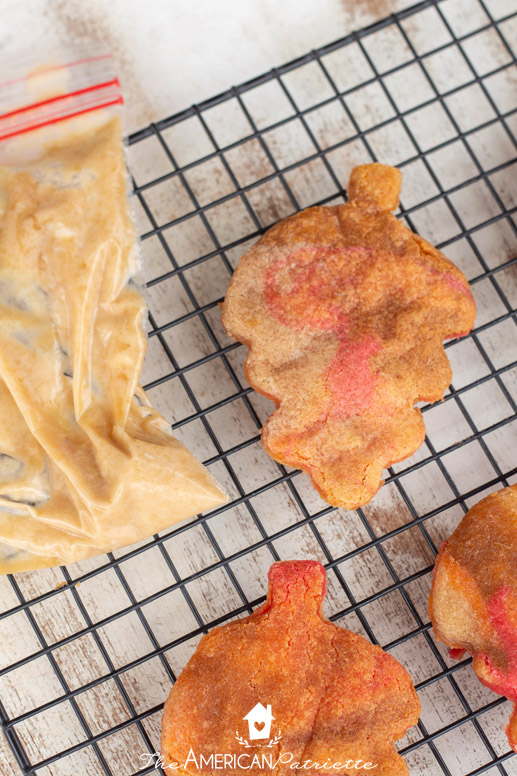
[(171, 55)]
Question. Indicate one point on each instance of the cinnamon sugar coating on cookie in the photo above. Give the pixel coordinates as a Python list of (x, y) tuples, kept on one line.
[(473, 603), (333, 696), (344, 311)]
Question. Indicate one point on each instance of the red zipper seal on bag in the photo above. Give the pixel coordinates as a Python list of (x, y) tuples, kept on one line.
[(91, 95)]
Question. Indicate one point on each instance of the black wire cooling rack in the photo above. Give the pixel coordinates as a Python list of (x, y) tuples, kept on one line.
[(432, 89)]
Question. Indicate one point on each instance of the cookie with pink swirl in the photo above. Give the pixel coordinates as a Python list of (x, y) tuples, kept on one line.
[(287, 684), (473, 603), (344, 311)]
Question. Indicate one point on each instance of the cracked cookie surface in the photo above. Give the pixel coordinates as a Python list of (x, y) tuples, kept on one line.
[(334, 696), (344, 311)]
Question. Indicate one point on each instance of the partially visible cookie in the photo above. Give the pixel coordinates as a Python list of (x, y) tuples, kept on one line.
[(285, 683), (344, 311), (473, 603)]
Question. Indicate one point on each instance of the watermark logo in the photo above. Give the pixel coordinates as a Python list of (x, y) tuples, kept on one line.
[(259, 721)]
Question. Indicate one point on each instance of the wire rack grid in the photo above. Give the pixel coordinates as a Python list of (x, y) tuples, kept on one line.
[(90, 651)]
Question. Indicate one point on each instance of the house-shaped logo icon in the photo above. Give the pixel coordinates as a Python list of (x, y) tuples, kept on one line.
[(259, 721)]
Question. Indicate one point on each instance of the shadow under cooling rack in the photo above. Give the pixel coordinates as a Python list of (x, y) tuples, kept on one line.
[(90, 651)]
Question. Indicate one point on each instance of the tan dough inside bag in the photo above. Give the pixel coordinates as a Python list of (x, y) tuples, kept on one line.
[(86, 465)]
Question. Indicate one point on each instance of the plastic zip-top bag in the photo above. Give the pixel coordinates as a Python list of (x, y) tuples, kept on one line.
[(86, 464)]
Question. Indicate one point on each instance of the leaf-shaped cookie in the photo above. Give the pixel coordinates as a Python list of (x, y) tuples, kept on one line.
[(473, 603), (326, 695), (344, 311)]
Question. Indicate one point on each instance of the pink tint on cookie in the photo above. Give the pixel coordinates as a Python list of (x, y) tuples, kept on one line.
[(451, 280), (505, 682), (297, 584), (456, 653), (303, 289), (300, 289), (350, 378), (498, 609), (457, 284)]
